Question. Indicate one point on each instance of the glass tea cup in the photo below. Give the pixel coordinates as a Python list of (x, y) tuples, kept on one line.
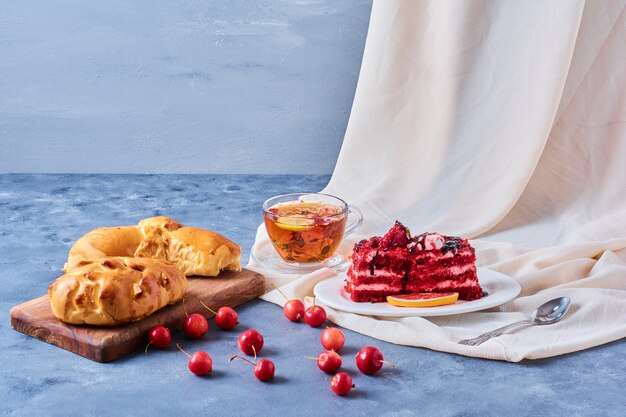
[(307, 228)]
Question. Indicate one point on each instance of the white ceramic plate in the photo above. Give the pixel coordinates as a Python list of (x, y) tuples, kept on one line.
[(499, 287)]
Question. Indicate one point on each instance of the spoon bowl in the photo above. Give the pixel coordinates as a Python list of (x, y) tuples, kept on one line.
[(551, 311)]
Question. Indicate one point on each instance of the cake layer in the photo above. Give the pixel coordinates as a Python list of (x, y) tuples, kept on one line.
[(379, 276), (465, 284), (364, 287), (372, 296), (417, 273), (394, 260), (377, 287), (422, 258)]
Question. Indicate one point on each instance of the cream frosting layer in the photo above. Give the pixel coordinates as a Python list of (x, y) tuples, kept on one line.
[(445, 270), (377, 287)]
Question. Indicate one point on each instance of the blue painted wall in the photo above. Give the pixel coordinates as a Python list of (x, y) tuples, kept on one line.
[(258, 86)]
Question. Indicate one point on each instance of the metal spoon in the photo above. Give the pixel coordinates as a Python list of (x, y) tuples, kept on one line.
[(547, 313)]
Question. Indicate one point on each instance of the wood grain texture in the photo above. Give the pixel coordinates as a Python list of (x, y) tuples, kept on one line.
[(105, 344)]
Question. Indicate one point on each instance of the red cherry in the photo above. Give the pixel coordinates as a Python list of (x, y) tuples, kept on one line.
[(225, 318), (369, 360), (315, 316), (294, 310), (329, 361), (341, 383), (195, 326), (263, 370), (159, 336), (250, 342), (200, 363), (332, 339)]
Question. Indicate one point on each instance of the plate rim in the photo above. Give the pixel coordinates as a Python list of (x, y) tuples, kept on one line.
[(466, 307)]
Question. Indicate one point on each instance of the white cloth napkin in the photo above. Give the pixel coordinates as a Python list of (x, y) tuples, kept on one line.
[(504, 122)]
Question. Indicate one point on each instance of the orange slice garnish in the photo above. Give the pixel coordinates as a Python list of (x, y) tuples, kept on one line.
[(423, 299)]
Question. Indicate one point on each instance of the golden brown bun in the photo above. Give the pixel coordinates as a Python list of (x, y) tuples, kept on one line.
[(115, 290), (115, 241), (195, 251), (147, 226), (101, 242)]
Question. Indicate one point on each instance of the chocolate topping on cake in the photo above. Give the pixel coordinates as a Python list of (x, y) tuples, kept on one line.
[(358, 245), (373, 263), (452, 244)]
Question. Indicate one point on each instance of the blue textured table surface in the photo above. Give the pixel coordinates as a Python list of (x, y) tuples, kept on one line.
[(42, 215)]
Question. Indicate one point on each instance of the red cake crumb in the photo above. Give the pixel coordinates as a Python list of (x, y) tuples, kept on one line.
[(396, 263)]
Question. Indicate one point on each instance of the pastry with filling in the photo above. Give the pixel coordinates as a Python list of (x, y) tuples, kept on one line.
[(115, 290), (195, 251)]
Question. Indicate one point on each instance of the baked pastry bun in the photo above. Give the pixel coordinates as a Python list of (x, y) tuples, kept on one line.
[(115, 241), (115, 290), (101, 242), (195, 251)]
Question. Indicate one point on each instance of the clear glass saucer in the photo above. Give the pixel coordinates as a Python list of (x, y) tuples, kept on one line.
[(265, 255)]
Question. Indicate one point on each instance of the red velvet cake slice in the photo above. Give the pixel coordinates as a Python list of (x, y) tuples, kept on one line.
[(398, 264), (379, 265), (439, 263)]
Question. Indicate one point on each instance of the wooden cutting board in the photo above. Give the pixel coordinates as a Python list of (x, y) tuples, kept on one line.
[(105, 344)]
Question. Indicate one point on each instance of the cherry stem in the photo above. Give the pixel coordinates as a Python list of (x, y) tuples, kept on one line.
[(182, 350), (388, 364), (254, 350), (147, 346), (330, 379), (185, 307), (311, 357), (208, 308), (242, 358)]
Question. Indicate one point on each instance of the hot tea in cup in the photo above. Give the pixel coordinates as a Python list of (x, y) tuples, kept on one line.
[(308, 227)]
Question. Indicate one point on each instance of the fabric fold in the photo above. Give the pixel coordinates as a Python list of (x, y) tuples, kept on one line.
[(505, 123)]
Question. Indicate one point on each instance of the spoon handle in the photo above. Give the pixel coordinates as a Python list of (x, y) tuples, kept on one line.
[(497, 332)]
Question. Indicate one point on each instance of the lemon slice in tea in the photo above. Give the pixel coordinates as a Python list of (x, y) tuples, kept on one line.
[(295, 224)]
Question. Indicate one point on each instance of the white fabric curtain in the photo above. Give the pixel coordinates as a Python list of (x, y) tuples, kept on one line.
[(504, 122)]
